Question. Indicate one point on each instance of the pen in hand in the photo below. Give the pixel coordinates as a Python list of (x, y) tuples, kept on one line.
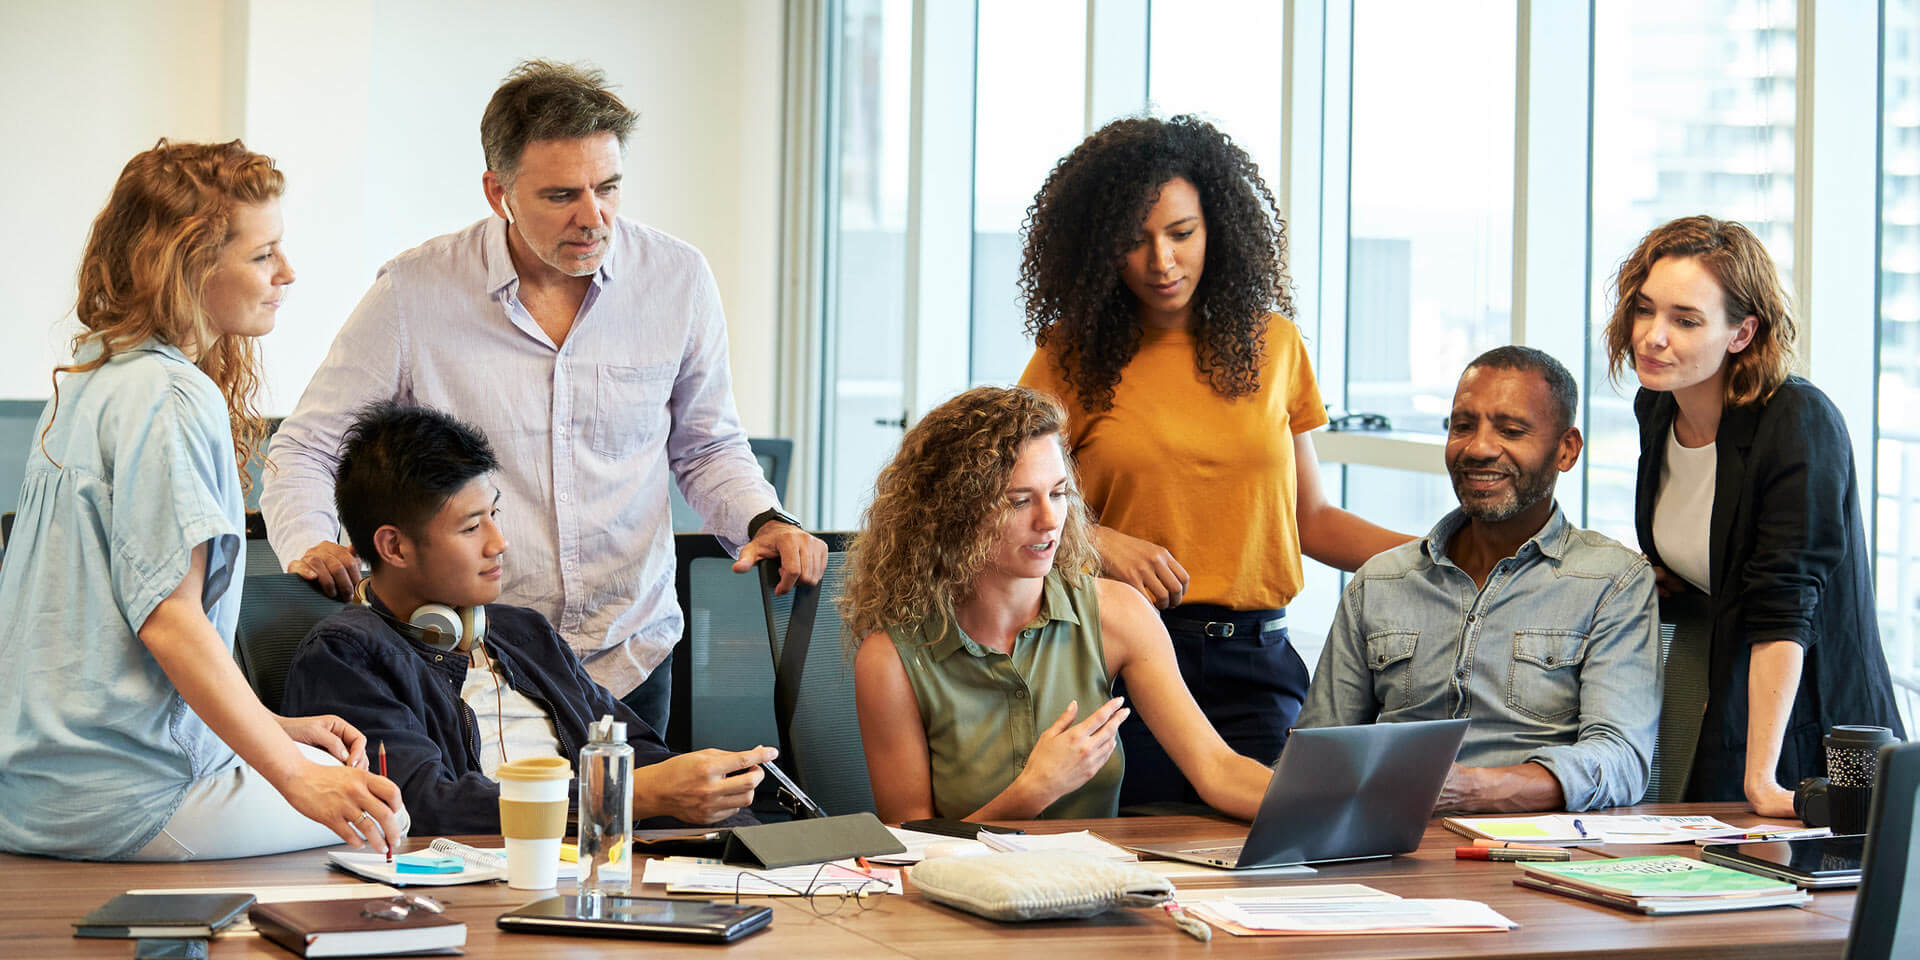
[(383, 773)]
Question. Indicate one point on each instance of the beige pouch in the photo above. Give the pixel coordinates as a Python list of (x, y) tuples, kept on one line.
[(1038, 885)]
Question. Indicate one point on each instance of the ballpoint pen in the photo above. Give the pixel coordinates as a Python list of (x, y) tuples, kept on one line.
[(383, 773)]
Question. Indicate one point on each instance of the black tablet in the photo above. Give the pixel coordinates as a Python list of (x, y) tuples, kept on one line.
[(1813, 862), (644, 918)]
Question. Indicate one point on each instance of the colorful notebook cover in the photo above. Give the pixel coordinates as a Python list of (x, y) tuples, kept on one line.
[(1657, 877)]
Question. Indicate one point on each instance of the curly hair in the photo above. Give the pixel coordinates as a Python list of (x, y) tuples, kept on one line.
[(1750, 286), (1088, 215), (147, 262), (937, 510)]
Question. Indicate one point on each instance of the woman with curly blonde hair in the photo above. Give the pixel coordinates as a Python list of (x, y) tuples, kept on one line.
[(1157, 294), (980, 633), (132, 734)]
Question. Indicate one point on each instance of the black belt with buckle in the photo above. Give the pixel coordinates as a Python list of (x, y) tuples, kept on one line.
[(1224, 628)]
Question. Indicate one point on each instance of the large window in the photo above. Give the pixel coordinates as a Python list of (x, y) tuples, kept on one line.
[(864, 374), (1455, 177), (1231, 77), (1898, 449), (1029, 106), (1430, 254), (1693, 112)]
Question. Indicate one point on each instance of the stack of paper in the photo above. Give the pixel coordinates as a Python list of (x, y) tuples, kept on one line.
[(1572, 829), (917, 844), (1661, 885), (1080, 841), (698, 875), (1336, 908)]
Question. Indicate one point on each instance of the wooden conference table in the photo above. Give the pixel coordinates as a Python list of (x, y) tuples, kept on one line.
[(39, 899)]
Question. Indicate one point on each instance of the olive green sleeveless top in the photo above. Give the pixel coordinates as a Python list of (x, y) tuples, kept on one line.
[(984, 710)]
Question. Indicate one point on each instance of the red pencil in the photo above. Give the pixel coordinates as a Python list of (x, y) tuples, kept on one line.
[(383, 772)]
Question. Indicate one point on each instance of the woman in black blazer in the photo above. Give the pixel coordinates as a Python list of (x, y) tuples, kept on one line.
[(1747, 492)]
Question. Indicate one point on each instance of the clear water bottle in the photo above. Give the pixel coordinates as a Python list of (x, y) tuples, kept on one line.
[(606, 811)]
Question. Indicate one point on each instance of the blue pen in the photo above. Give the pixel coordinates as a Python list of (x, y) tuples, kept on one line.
[(1577, 825)]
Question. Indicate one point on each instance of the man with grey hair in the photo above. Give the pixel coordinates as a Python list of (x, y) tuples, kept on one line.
[(592, 350), (1544, 634)]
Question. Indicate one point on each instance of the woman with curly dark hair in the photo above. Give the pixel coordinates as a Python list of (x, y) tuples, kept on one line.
[(1156, 286), (984, 651)]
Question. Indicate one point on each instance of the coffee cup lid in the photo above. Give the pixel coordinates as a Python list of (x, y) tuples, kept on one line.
[(1860, 735), (535, 768)]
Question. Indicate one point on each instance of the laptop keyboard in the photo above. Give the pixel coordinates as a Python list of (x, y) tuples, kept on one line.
[(1224, 853)]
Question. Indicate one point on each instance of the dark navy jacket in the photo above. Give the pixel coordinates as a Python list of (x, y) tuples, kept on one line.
[(407, 695)]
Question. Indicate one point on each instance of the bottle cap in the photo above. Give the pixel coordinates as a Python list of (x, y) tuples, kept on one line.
[(607, 730)]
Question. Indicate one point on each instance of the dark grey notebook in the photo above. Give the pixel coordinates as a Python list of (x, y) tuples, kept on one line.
[(134, 915)]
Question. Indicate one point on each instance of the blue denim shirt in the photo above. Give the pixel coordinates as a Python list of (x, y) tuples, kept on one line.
[(97, 748), (1556, 660)]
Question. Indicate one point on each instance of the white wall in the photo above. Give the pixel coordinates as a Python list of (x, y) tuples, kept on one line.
[(372, 107)]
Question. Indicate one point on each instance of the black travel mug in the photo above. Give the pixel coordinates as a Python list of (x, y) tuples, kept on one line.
[(1853, 757)]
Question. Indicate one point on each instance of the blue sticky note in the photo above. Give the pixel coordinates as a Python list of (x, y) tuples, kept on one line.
[(427, 863)]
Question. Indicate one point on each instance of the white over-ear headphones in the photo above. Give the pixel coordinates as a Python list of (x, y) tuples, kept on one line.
[(437, 625)]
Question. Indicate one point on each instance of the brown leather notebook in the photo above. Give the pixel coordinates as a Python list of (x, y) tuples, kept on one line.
[(342, 928)]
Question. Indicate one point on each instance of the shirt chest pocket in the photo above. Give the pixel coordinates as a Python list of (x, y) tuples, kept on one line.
[(1544, 679), (629, 406), (1390, 658)]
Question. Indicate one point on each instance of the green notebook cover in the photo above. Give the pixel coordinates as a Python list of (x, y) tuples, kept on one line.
[(1657, 877)]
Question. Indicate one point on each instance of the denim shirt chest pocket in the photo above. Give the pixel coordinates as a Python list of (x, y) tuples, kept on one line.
[(1390, 658), (1544, 679), (629, 406)]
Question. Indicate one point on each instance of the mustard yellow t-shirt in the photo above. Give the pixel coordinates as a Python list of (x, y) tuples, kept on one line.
[(1210, 479)]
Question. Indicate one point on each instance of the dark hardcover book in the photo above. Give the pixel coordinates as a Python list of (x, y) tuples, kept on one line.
[(176, 915), (339, 928)]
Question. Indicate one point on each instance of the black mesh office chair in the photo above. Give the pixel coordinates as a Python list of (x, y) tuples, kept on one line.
[(813, 688), (722, 681), (276, 611)]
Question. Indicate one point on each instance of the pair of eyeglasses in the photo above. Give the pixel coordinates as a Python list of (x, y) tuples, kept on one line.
[(1360, 421), (826, 893), (400, 906)]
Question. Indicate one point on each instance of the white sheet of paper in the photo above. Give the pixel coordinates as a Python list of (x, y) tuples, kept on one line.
[(697, 875), (1079, 841), (1294, 891), (917, 844), (1331, 916)]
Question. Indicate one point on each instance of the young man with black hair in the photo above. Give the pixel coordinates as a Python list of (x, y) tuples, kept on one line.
[(451, 683)]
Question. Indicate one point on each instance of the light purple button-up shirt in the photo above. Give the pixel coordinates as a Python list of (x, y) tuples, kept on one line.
[(586, 432)]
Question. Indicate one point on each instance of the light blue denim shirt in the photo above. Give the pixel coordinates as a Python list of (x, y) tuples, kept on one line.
[(586, 431), (1556, 660), (97, 748)]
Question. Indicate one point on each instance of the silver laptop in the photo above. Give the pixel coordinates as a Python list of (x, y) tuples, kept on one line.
[(1340, 793)]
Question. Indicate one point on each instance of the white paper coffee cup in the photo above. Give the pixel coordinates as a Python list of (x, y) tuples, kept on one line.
[(533, 819)]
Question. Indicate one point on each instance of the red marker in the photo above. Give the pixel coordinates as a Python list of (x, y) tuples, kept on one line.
[(1509, 855)]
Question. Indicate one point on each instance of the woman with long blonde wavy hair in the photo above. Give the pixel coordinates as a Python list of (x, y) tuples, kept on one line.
[(132, 734), (980, 637)]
